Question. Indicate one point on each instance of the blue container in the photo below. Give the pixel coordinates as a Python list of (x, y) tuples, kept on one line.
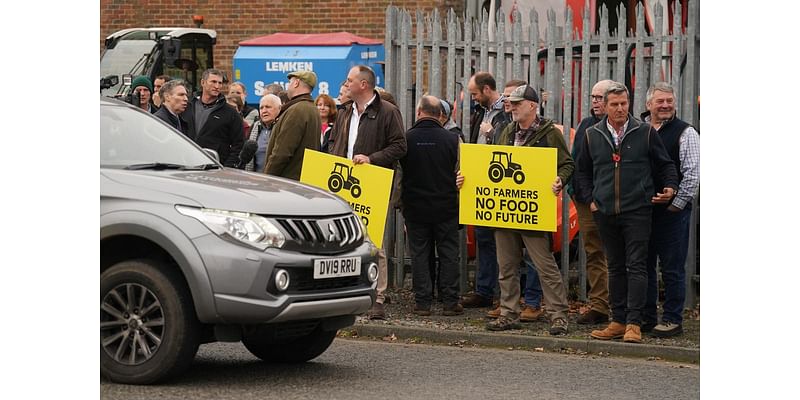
[(261, 61)]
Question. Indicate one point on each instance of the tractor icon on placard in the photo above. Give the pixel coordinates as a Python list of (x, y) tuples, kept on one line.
[(342, 177), (502, 167)]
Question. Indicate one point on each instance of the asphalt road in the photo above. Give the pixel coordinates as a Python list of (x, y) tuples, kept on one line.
[(357, 369)]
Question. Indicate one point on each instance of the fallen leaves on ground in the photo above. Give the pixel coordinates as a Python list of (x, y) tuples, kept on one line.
[(390, 338)]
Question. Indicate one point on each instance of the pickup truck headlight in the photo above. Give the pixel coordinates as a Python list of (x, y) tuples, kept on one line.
[(253, 230)]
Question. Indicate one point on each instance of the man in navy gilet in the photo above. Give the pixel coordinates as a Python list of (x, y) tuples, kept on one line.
[(669, 240), (620, 157)]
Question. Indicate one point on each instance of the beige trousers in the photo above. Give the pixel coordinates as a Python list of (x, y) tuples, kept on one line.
[(383, 276), (596, 264), (509, 255)]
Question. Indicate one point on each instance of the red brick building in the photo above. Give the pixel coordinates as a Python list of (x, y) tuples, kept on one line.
[(237, 21)]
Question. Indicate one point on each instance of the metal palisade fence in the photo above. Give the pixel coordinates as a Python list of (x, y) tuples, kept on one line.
[(425, 54)]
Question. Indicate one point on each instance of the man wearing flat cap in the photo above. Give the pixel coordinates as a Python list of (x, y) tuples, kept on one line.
[(530, 129), (296, 128)]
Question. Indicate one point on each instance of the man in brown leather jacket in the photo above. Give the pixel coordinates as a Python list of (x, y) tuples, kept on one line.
[(369, 130)]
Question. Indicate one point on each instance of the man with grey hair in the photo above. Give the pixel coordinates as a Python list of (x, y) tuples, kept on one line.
[(532, 293), (369, 130), (268, 108), (669, 240), (175, 98), (297, 128), (430, 207), (596, 263), (531, 130), (213, 124), (620, 156)]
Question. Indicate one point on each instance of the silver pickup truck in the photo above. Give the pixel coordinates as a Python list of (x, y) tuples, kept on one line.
[(192, 253)]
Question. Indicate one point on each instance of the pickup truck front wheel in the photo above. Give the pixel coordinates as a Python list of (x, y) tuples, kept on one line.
[(148, 328), (298, 350)]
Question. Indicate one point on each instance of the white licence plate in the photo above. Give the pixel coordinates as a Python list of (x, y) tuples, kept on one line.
[(336, 267)]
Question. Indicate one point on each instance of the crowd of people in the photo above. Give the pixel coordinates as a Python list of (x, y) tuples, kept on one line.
[(632, 181)]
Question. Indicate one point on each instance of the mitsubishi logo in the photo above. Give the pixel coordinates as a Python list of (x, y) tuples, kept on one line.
[(332, 236)]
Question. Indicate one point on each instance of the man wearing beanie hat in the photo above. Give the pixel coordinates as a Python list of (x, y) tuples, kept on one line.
[(142, 88), (296, 128)]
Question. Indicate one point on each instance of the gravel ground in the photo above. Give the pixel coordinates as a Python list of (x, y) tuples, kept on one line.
[(400, 312)]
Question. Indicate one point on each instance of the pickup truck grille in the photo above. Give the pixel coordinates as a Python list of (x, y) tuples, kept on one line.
[(325, 236)]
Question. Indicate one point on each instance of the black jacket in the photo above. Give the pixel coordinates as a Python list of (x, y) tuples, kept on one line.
[(499, 121), (429, 192), (326, 138), (626, 185), (222, 131), (172, 120), (577, 147)]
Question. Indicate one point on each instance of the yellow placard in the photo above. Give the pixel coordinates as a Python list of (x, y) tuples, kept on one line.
[(508, 187), (365, 187)]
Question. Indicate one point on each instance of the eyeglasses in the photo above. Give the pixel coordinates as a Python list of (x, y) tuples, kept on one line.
[(596, 98)]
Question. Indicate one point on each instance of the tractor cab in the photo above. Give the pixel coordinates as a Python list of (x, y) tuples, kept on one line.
[(182, 53), (342, 170)]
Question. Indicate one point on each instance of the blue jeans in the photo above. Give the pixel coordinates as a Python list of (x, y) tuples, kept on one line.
[(533, 288), (670, 243), (486, 279)]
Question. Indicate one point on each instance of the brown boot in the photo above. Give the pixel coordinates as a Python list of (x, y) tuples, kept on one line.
[(474, 300), (632, 334), (592, 317), (530, 314), (494, 313), (614, 330), (376, 311)]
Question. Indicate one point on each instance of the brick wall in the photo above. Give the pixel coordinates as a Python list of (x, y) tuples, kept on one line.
[(236, 21)]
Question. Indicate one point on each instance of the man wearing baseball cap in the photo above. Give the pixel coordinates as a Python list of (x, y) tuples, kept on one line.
[(296, 128), (530, 129)]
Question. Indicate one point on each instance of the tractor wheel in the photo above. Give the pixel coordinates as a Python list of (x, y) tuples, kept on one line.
[(495, 173), (335, 183), (355, 191), (519, 177)]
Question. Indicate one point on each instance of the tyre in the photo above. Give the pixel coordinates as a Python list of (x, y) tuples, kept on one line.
[(355, 191), (495, 173), (519, 177), (148, 327), (299, 350), (335, 183)]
